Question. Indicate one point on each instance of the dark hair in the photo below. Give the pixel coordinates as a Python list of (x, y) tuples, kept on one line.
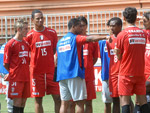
[(147, 15), (82, 18), (73, 22), (35, 11), (117, 19), (130, 14)]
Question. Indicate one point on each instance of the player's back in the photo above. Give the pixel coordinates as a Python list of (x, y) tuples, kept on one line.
[(132, 42)]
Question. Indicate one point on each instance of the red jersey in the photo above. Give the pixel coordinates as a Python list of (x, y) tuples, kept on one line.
[(80, 39), (147, 53), (90, 51), (16, 54), (42, 45), (132, 42), (114, 62)]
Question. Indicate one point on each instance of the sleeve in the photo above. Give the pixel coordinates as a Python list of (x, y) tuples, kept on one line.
[(80, 39), (95, 49), (120, 38), (7, 53)]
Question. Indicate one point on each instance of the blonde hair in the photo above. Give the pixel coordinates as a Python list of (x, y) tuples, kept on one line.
[(20, 23)]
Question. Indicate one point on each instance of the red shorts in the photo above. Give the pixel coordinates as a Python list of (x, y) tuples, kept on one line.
[(129, 85), (41, 84), (20, 89), (91, 92), (113, 85)]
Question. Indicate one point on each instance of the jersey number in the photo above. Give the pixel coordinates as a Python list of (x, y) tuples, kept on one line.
[(24, 61), (44, 52)]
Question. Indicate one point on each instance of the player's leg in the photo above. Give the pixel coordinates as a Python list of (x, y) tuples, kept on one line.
[(71, 107), (107, 108), (57, 102), (38, 105), (88, 106), (65, 95), (78, 92), (125, 103), (116, 105), (91, 94), (38, 90), (106, 96), (80, 106), (124, 82), (137, 106), (53, 89), (113, 85), (64, 106)]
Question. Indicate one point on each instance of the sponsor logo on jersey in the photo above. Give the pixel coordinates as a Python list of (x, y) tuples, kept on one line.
[(43, 43), (23, 53), (136, 40), (85, 52), (14, 93), (135, 31), (41, 37), (64, 48), (35, 93)]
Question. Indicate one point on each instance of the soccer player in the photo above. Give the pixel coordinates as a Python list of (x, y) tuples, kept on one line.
[(105, 76), (42, 42), (115, 25), (130, 51), (90, 53), (16, 61), (70, 67), (146, 23)]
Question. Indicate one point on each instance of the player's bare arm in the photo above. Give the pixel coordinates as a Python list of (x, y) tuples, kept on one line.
[(6, 65), (95, 38)]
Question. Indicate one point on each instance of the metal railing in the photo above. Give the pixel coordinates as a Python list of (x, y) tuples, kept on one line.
[(97, 22)]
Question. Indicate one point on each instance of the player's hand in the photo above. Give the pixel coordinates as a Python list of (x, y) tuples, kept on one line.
[(118, 53), (6, 77), (109, 38)]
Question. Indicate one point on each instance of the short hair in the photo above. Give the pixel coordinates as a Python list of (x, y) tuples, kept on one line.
[(35, 11), (82, 18), (117, 19), (130, 14), (73, 22), (20, 23), (147, 15)]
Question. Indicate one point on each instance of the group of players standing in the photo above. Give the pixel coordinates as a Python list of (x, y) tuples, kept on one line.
[(76, 54)]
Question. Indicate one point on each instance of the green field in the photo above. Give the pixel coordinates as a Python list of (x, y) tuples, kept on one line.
[(98, 105)]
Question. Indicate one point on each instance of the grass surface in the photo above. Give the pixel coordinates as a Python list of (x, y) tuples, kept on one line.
[(98, 105)]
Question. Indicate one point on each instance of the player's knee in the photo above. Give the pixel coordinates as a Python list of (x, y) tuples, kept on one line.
[(88, 103)]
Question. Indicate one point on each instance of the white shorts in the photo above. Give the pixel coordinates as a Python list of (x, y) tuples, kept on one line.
[(74, 88), (105, 92)]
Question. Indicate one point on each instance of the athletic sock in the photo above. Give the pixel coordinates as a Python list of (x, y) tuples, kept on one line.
[(21, 109), (16, 109), (145, 109), (126, 109), (137, 109)]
